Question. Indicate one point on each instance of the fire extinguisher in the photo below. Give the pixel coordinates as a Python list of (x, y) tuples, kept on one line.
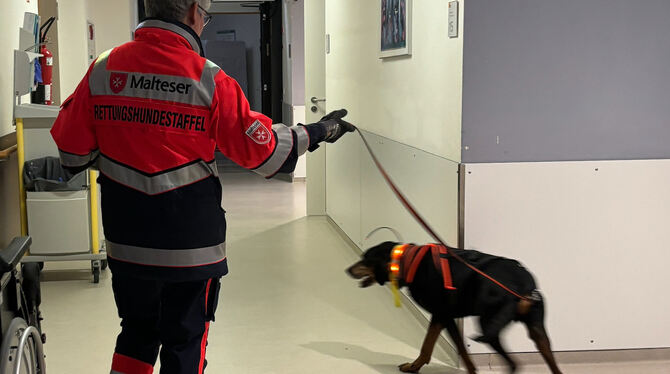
[(43, 94), (47, 62)]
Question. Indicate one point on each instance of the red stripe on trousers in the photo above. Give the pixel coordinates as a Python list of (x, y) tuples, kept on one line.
[(203, 342), (209, 283), (203, 349), (128, 365)]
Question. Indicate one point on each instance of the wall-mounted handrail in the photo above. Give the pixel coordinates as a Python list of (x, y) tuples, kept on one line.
[(5, 153)]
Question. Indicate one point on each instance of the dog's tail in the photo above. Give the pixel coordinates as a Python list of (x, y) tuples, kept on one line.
[(394, 231)]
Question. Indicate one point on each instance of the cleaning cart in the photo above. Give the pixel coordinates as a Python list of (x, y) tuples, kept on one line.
[(64, 223)]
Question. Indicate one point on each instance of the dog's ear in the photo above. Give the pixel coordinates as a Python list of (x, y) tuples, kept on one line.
[(363, 271), (358, 270)]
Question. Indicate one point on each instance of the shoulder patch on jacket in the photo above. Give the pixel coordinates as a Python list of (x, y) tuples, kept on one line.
[(258, 133)]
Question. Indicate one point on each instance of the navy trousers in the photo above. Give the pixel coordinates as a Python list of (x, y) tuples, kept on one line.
[(167, 317)]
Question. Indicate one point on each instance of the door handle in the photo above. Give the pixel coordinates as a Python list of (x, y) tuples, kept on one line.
[(314, 100)]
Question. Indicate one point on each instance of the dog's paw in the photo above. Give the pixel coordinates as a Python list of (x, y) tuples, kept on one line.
[(408, 367)]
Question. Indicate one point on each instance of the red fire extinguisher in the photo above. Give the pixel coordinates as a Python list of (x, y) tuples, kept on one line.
[(43, 94), (47, 63)]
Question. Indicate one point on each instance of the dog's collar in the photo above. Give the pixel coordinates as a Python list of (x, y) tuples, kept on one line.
[(405, 259), (396, 257), (394, 271)]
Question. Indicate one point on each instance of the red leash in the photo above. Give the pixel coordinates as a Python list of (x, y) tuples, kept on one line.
[(423, 223)]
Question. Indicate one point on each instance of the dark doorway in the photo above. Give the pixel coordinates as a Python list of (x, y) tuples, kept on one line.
[(271, 38)]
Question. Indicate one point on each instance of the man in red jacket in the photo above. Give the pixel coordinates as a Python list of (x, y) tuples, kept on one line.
[(150, 114)]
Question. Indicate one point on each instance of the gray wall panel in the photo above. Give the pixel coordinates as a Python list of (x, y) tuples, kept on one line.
[(247, 29), (547, 80)]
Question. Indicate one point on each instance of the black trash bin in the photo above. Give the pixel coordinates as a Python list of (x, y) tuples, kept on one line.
[(47, 174)]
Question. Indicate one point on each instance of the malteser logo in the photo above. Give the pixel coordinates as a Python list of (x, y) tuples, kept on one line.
[(258, 133), (157, 84), (117, 81)]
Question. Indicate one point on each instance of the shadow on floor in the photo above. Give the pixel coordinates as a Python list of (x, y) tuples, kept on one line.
[(384, 363), (318, 270), (321, 274)]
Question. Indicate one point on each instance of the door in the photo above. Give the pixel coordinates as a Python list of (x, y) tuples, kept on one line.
[(315, 86)]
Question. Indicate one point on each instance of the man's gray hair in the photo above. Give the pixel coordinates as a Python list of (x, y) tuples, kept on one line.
[(174, 10)]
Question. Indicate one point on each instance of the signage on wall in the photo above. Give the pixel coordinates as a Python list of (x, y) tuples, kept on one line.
[(453, 19), (226, 35), (90, 39)]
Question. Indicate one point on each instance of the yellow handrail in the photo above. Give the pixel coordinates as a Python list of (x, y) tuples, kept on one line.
[(95, 240), (22, 190)]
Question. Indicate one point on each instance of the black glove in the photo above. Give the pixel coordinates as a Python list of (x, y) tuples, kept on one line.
[(329, 129), (335, 126)]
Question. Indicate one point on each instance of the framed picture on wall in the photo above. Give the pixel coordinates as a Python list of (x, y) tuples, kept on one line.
[(395, 28)]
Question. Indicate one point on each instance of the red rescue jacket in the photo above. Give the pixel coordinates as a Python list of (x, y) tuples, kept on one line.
[(150, 114)]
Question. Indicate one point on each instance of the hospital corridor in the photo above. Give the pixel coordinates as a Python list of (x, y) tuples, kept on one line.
[(286, 306), (334, 186), (283, 307)]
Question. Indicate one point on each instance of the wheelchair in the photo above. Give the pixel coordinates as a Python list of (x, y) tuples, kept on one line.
[(21, 335)]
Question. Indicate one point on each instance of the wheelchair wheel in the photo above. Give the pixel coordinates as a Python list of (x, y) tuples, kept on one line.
[(22, 347)]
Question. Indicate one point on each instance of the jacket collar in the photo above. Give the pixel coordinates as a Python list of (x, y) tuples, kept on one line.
[(178, 28)]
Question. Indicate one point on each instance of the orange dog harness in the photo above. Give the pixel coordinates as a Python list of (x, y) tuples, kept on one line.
[(405, 260)]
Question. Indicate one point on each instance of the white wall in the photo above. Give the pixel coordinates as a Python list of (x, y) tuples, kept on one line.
[(72, 45), (358, 199), (415, 101), (11, 19), (410, 108), (113, 20), (594, 234)]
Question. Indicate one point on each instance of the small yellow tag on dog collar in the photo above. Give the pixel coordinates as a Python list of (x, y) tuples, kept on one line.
[(395, 291), (394, 272)]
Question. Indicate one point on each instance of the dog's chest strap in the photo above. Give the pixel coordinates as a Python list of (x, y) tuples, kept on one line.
[(413, 256)]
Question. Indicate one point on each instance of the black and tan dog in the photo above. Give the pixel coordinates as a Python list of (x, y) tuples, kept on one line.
[(448, 289)]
